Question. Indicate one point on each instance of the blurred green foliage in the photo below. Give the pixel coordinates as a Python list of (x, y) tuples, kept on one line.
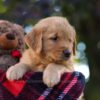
[(2, 7)]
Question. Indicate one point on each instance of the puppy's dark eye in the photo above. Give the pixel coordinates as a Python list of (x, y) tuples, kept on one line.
[(70, 40), (54, 38)]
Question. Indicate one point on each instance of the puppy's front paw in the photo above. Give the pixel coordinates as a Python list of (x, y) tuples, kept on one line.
[(15, 72), (51, 78)]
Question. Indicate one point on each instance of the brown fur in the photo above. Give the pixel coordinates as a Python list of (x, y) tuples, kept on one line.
[(45, 53), (7, 27), (7, 45)]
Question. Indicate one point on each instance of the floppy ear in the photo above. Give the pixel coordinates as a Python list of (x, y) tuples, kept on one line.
[(74, 47), (74, 42), (34, 40)]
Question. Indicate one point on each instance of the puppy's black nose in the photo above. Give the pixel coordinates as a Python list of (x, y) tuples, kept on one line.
[(67, 53), (10, 36)]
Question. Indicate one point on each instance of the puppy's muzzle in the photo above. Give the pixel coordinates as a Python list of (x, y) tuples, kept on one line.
[(66, 54), (10, 36)]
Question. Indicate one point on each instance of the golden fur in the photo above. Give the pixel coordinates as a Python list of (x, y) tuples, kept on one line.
[(47, 42)]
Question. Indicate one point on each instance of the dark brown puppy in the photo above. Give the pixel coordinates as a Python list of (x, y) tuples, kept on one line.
[(11, 39)]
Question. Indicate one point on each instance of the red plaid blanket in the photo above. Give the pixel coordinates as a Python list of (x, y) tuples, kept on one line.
[(31, 87)]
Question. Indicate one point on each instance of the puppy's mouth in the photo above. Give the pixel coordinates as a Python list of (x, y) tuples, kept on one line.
[(65, 55), (64, 58), (58, 57), (61, 58)]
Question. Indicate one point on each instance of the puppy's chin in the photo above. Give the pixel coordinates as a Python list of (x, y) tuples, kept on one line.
[(60, 59), (54, 58)]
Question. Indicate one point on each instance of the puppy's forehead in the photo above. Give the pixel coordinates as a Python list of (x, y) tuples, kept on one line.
[(60, 30), (56, 25)]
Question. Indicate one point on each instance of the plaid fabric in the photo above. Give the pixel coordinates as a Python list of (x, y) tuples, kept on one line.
[(32, 87)]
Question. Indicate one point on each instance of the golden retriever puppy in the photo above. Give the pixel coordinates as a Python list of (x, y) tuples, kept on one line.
[(51, 48)]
